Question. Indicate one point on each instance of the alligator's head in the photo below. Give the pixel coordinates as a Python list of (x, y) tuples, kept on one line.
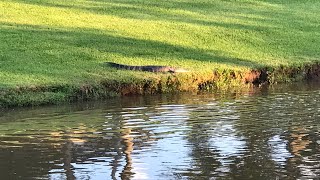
[(179, 70), (171, 70)]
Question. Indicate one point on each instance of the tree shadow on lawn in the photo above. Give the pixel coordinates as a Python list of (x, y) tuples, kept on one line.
[(77, 41), (258, 15), (281, 28), (145, 10)]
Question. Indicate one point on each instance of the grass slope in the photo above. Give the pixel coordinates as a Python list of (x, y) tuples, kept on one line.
[(58, 42)]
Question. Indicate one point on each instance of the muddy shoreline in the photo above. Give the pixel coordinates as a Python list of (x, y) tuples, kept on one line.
[(165, 83)]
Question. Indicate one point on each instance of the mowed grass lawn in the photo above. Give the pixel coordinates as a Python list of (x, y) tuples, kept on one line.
[(50, 42)]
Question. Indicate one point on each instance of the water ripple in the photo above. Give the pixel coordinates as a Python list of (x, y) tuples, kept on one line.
[(273, 135)]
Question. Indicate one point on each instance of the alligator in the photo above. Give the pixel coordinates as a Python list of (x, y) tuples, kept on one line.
[(147, 68)]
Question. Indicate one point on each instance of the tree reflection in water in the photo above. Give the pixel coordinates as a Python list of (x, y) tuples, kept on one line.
[(267, 135)]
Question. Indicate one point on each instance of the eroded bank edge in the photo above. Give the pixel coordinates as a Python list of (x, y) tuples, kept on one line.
[(165, 83)]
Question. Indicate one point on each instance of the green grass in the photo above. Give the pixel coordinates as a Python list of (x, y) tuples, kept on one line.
[(58, 42)]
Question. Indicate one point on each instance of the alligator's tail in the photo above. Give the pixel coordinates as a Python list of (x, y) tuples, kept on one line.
[(122, 66)]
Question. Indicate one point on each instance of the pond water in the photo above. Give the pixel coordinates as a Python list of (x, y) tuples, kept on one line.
[(265, 133)]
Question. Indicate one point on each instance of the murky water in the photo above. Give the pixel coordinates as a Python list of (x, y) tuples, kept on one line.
[(263, 134)]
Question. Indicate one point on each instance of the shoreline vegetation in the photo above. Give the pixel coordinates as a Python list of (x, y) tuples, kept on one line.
[(54, 51)]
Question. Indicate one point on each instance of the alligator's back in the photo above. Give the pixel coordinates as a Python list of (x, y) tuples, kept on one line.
[(143, 68)]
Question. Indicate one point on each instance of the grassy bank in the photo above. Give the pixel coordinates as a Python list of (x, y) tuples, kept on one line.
[(52, 51)]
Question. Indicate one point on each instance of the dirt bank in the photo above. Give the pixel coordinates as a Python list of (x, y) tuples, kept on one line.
[(165, 83)]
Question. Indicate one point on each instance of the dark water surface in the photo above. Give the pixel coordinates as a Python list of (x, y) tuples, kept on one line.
[(260, 134)]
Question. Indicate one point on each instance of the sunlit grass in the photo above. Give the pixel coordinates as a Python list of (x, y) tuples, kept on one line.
[(47, 42)]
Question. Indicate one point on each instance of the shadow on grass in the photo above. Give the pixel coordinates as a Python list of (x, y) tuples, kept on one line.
[(73, 41), (261, 13), (281, 27), (186, 12)]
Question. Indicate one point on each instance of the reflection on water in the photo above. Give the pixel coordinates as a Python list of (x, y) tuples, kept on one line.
[(261, 134)]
